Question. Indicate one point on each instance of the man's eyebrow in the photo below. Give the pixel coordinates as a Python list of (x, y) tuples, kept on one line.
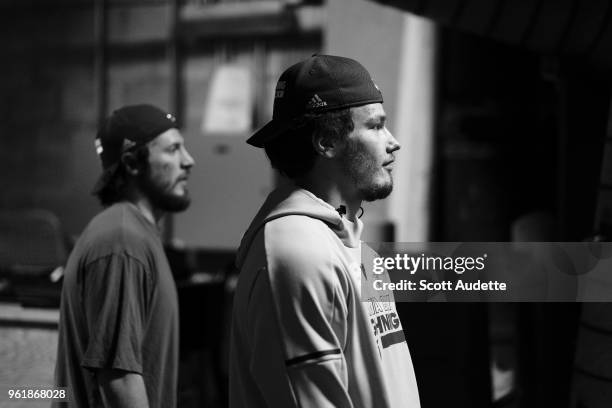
[(377, 119)]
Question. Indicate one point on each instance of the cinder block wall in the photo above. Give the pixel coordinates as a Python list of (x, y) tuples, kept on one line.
[(47, 113), (48, 109)]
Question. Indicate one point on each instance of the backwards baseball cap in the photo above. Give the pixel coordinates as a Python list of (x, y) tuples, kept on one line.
[(127, 128), (319, 84)]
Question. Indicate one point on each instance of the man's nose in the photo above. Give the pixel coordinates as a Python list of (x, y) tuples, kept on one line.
[(188, 161), (393, 143)]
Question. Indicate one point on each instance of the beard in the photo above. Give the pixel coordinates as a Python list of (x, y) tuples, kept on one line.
[(371, 180), (161, 197)]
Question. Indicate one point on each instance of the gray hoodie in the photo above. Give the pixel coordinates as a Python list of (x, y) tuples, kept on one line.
[(301, 336)]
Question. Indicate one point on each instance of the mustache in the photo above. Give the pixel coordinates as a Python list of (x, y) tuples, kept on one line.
[(183, 177)]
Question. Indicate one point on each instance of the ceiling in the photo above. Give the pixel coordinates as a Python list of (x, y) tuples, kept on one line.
[(581, 28)]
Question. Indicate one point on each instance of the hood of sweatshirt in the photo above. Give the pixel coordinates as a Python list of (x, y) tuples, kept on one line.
[(292, 200)]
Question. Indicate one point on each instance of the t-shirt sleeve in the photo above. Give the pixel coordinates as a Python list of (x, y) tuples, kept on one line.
[(115, 296), (302, 288)]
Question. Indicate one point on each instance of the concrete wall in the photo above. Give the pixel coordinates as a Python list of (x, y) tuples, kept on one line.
[(47, 115), (48, 106)]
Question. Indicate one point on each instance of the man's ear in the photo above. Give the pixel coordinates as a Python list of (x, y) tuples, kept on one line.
[(130, 163), (326, 146)]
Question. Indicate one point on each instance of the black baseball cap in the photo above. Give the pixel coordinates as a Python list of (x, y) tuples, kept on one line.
[(127, 128), (319, 84)]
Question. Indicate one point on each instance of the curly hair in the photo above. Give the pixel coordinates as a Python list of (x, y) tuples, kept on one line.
[(294, 155), (115, 189)]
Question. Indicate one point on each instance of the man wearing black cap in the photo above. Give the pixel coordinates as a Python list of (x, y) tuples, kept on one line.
[(301, 336), (118, 335)]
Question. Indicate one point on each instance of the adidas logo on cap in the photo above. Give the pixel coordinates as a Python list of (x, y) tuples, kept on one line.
[(316, 102), (342, 82)]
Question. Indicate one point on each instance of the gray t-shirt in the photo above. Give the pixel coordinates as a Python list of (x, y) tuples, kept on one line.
[(119, 309)]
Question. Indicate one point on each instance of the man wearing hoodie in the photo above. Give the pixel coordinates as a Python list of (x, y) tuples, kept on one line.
[(301, 335)]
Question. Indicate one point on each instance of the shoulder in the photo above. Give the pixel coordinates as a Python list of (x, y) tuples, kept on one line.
[(116, 231), (299, 252), (297, 238)]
